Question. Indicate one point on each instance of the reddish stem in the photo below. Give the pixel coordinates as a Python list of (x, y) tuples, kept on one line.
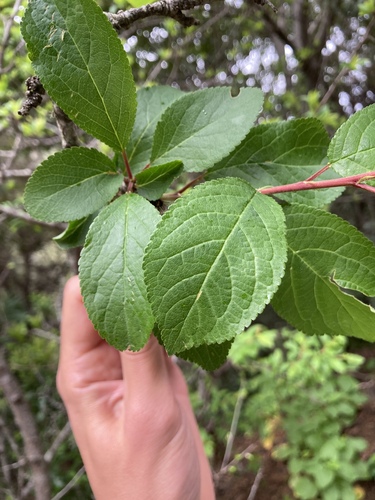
[(352, 180), (366, 187), (319, 172), (177, 194), (128, 171), (127, 166), (191, 183)]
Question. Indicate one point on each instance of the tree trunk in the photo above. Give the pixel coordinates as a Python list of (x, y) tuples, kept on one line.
[(26, 423)]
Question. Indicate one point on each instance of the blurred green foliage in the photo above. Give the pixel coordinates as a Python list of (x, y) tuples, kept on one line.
[(299, 396)]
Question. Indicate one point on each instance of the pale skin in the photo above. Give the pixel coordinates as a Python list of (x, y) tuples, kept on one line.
[(130, 414)]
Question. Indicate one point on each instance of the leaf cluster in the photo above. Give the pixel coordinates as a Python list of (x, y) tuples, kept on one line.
[(202, 272), (302, 389)]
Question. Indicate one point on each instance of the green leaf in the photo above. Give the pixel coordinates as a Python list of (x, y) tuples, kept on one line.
[(71, 184), (154, 181), (83, 66), (303, 487), (250, 343), (202, 127), (75, 234), (352, 149), (111, 272), (213, 263), (366, 7), (326, 254), (209, 357), (281, 153), (323, 475), (152, 102)]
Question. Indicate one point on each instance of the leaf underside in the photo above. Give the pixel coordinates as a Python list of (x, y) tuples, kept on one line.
[(75, 234), (210, 357), (282, 153), (326, 257)]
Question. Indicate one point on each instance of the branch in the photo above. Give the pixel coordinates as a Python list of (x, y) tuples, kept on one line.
[(6, 34), (27, 426), (266, 2), (67, 128), (242, 393), (5, 433), (23, 172), (60, 438), (345, 69), (277, 30), (45, 335), (11, 155), (34, 97), (319, 40), (20, 214), (127, 166), (40, 142), (256, 483), (187, 39), (12, 64), (352, 180), (244, 454), (16, 465), (167, 8), (300, 28), (70, 485), (177, 194), (5, 468)]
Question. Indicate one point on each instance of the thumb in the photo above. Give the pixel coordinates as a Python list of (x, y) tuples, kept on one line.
[(146, 373)]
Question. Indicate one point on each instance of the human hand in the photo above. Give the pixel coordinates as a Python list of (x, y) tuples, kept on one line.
[(130, 414)]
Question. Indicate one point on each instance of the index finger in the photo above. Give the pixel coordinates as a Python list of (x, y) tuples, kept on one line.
[(78, 334)]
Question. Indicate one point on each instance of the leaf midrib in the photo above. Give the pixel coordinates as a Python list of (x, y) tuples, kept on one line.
[(358, 152), (92, 79), (190, 137), (297, 254), (215, 262), (77, 184), (142, 135), (335, 290)]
